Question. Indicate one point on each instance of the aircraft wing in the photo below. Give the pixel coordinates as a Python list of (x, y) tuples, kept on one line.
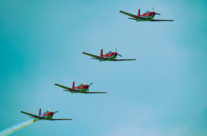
[(160, 20), (60, 119), (134, 17), (63, 87), (67, 88), (123, 59), (128, 14), (94, 92), (94, 56), (32, 115)]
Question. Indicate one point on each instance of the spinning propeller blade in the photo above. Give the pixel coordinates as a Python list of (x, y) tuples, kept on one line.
[(118, 53), (155, 13)]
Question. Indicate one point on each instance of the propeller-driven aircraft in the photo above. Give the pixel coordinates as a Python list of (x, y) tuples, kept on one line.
[(147, 16), (110, 56), (82, 88), (45, 116)]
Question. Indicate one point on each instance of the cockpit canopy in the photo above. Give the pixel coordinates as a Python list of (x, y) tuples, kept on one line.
[(147, 12), (48, 111), (81, 84), (109, 52)]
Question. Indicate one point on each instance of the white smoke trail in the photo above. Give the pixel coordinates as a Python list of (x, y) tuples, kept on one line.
[(17, 127)]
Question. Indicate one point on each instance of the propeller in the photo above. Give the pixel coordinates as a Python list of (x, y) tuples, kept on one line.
[(56, 111), (88, 87), (155, 12), (118, 53)]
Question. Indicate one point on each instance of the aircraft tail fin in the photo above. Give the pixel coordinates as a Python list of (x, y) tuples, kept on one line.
[(139, 12), (73, 84), (40, 111), (101, 53)]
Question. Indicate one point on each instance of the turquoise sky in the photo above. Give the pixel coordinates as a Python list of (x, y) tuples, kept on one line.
[(163, 93)]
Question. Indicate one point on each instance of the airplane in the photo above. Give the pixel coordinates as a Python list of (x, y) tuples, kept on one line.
[(110, 56), (147, 16), (82, 88), (45, 116)]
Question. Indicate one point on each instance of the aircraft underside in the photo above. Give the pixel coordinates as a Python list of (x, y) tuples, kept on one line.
[(145, 18), (79, 91), (109, 58)]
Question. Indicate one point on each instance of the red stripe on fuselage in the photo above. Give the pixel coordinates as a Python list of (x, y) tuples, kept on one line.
[(48, 114), (109, 55), (148, 14), (82, 87)]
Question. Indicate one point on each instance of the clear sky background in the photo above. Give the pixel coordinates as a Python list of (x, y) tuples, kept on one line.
[(163, 93)]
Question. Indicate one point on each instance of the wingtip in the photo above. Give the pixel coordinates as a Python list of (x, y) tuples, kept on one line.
[(103, 92), (68, 119)]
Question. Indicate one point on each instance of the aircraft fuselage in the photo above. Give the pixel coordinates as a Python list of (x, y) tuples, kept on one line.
[(110, 56), (147, 18), (81, 90)]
